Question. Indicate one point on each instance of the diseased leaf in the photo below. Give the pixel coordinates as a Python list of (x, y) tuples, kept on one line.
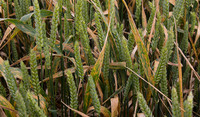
[(141, 48), (7, 106)]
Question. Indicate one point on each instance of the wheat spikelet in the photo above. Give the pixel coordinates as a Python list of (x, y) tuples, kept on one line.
[(14, 49), (175, 68), (34, 73), (138, 9), (54, 26), (73, 90), (136, 79), (21, 107), (126, 54), (106, 62), (188, 105), (184, 41), (99, 6), (155, 40), (161, 66), (128, 86), (38, 26), (175, 104), (166, 8), (143, 105), (36, 111), (112, 13), (163, 82), (23, 92), (99, 30), (67, 25), (67, 31), (47, 56), (85, 11), (131, 41), (18, 10), (118, 42), (81, 28), (26, 77), (193, 23), (170, 43), (162, 37), (26, 6), (79, 64), (10, 79), (186, 74), (132, 80), (177, 10), (150, 21), (94, 95)]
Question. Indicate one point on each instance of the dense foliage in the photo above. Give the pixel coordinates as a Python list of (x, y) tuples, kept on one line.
[(99, 58)]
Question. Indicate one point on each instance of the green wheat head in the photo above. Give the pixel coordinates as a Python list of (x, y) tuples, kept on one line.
[(18, 9), (54, 26), (138, 9), (26, 4), (99, 30), (161, 66), (155, 40), (106, 62), (36, 111), (85, 11), (177, 10), (47, 56), (175, 104), (143, 105), (135, 78), (186, 74), (10, 79), (79, 64), (73, 90), (163, 82), (67, 26), (150, 21), (21, 107), (166, 8), (99, 6), (174, 68), (126, 54), (34, 73), (184, 41), (118, 42), (188, 105), (14, 50), (94, 95), (162, 37), (132, 80), (170, 43), (81, 28), (131, 41), (193, 23), (39, 26), (112, 13), (26, 76)]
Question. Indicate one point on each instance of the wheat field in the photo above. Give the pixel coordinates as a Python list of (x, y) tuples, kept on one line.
[(108, 58)]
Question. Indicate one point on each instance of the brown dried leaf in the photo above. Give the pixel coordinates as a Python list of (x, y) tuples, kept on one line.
[(115, 106)]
